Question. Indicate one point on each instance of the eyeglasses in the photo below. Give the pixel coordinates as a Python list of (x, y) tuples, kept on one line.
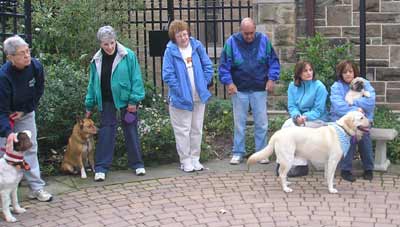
[(23, 52)]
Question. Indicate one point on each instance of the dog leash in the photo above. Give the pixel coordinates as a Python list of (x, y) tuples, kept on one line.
[(12, 124)]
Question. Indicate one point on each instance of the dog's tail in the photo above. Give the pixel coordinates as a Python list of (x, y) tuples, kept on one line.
[(263, 154)]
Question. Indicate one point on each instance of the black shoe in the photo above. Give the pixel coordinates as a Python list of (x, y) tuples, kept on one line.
[(368, 175), (347, 175), (295, 171), (298, 171), (277, 169)]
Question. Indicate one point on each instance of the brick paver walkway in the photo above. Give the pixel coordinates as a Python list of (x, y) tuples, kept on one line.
[(238, 198)]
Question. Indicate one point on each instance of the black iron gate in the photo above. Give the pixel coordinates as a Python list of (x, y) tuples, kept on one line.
[(211, 21), (15, 18)]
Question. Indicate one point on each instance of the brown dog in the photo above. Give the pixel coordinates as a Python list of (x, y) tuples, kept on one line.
[(80, 148)]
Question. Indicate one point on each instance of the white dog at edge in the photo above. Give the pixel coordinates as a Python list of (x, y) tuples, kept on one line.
[(316, 144), (12, 165)]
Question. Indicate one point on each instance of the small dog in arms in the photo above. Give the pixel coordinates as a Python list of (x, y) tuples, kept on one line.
[(80, 148), (325, 144), (357, 90), (12, 165)]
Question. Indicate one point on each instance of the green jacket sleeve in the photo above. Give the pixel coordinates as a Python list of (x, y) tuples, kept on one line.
[(137, 88), (90, 94)]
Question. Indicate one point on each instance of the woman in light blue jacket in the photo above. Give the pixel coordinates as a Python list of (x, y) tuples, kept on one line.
[(346, 71), (306, 106), (187, 70)]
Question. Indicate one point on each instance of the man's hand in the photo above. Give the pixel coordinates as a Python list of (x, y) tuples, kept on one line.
[(232, 89), (131, 108), (270, 86), (16, 115), (10, 142)]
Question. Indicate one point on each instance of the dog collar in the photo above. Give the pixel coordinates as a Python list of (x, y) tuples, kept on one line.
[(19, 165), (344, 138)]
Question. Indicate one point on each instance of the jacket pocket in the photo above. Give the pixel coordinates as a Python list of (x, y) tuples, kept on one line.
[(125, 91)]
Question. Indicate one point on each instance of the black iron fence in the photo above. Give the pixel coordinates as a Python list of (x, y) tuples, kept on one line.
[(15, 18), (212, 22)]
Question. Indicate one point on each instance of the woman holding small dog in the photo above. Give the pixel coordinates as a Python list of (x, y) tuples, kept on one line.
[(115, 84), (306, 106), (21, 87), (187, 70), (346, 72)]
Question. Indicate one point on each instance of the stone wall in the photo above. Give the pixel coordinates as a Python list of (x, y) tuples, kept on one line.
[(339, 21), (284, 21)]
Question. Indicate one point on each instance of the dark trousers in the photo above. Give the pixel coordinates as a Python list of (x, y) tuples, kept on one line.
[(106, 140), (366, 153)]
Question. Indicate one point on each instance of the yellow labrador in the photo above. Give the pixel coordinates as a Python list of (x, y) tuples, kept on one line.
[(357, 90), (326, 144)]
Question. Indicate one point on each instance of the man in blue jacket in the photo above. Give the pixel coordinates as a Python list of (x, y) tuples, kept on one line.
[(21, 86), (249, 68)]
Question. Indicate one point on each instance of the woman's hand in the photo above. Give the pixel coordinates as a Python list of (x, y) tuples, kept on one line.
[(301, 120), (131, 108), (16, 115)]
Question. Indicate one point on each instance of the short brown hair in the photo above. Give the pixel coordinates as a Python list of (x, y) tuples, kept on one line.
[(341, 67), (298, 70), (177, 26)]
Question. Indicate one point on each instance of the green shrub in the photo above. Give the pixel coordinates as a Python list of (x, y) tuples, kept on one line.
[(385, 118), (323, 55)]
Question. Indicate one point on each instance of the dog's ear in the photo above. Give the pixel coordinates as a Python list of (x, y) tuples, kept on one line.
[(24, 141), (79, 120), (347, 123)]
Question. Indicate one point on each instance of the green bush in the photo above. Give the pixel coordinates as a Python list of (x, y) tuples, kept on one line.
[(323, 55), (385, 118)]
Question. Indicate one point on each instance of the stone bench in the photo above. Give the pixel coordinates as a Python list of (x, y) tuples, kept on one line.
[(381, 136)]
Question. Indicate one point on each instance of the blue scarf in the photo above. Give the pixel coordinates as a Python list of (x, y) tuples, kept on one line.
[(344, 138)]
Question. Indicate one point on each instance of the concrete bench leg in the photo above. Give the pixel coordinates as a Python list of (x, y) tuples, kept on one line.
[(381, 162)]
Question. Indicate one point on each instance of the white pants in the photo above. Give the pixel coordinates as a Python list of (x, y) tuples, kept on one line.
[(27, 122), (309, 124), (188, 130)]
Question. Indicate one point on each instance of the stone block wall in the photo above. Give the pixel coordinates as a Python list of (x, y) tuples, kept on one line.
[(339, 21)]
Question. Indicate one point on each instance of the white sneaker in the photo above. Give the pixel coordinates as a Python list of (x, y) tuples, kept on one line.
[(187, 166), (99, 176), (264, 161), (140, 172), (236, 159), (197, 166), (40, 195)]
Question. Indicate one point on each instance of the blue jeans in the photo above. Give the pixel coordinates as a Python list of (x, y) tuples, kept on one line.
[(365, 149), (258, 102), (106, 140)]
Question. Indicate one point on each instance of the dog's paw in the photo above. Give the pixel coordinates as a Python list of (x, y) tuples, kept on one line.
[(367, 94), (333, 190), (287, 189), (83, 176), (19, 210), (10, 219)]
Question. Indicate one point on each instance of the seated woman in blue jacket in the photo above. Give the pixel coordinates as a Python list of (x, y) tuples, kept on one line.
[(346, 71), (307, 107)]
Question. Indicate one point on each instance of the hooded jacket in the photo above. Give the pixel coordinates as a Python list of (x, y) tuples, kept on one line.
[(308, 99), (175, 75), (126, 80), (339, 106)]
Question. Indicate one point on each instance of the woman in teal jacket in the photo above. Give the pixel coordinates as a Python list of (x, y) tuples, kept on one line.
[(115, 84), (187, 70), (306, 105)]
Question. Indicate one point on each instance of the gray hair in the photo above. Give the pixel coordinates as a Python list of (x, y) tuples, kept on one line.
[(106, 33), (11, 44)]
